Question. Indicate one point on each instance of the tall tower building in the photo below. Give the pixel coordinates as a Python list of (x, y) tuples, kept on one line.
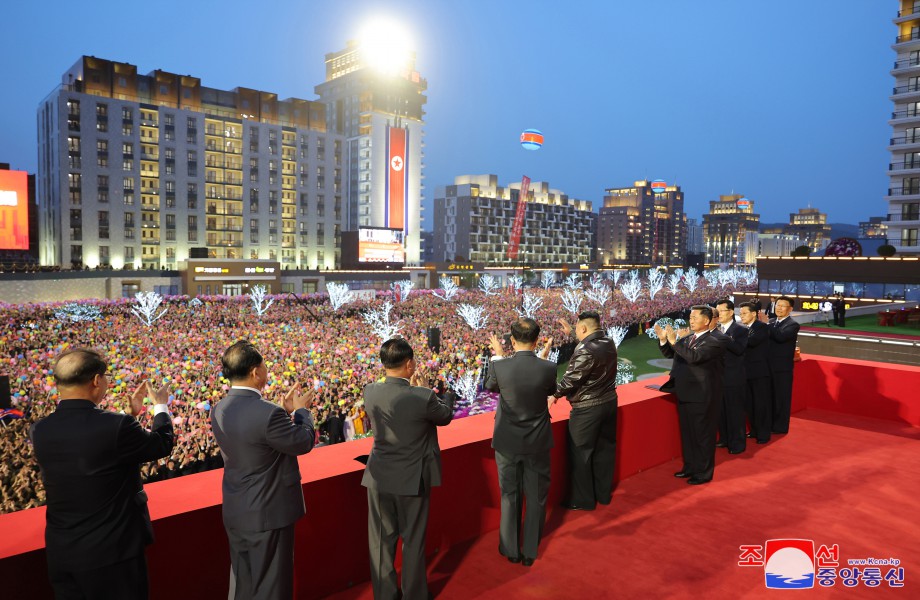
[(725, 229), (639, 227), (378, 105), (137, 170), (904, 169), (811, 226)]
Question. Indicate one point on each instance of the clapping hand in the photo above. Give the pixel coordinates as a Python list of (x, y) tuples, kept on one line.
[(136, 401), (566, 328), (671, 334), (297, 398), (544, 353), (419, 377), (158, 395), (495, 345), (659, 331), (682, 333)]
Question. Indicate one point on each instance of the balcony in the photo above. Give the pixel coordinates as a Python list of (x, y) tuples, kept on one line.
[(904, 142), (905, 92), (226, 212), (226, 242), (903, 218), (230, 228), (905, 65), (901, 191), (903, 167)]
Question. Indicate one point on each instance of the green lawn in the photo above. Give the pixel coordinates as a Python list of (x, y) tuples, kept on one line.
[(869, 323)]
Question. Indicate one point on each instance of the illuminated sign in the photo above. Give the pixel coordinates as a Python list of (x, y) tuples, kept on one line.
[(259, 270), (397, 178), (743, 204), (380, 245), (14, 210), (212, 270), (456, 267)]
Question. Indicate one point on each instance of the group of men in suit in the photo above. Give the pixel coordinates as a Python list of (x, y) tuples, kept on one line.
[(726, 374)]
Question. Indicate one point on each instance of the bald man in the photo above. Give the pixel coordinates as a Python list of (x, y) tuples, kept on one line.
[(97, 523)]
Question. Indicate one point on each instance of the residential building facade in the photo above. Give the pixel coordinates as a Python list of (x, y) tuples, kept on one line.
[(810, 225), (637, 227), (725, 229)]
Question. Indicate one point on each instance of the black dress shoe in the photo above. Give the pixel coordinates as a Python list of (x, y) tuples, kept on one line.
[(698, 480), (735, 451), (576, 507), (512, 559), (750, 435), (527, 562), (683, 474), (721, 445), (605, 501), (762, 441)]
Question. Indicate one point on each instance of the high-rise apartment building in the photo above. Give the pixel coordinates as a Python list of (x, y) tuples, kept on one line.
[(140, 170), (694, 237), (725, 229), (875, 227), (904, 169), (380, 111), (639, 227), (473, 219), (809, 225)]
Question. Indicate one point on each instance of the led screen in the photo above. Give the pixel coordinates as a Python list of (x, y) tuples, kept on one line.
[(14, 210)]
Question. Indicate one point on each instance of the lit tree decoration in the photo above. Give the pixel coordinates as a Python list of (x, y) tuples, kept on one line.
[(614, 276), (655, 282), (474, 315), (617, 333), (547, 279), (843, 247), (674, 282), (529, 306), (571, 300), (489, 285), (571, 282), (78, 313), (750, 276), (553, 355), (257, 295), (599, 293), (625, 372), (728, 277), (515, 283), (379, 321), (448, 287), (664, 322), (195, 303), (712, 277), (401, 290), (467, 386), (691, 279), (632, 287), (339, 295), (147, 305)]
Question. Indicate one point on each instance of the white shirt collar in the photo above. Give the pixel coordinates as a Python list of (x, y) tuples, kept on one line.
[(243, 387)]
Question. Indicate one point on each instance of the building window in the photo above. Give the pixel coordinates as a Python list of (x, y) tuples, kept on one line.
[(909, 237)]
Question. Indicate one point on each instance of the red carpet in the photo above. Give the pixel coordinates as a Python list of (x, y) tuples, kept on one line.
[(836, 479)]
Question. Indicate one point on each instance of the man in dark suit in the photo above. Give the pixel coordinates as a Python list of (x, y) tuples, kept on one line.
[(590, 386), (840, 309), (403, 466), (522, 439), (771, 308), (262, 494), (758, 402), (734, 382), (697, 374), (97, 517), (784, 332)]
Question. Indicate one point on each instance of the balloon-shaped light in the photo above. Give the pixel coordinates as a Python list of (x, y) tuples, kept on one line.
[(659, 186), (532, 139)]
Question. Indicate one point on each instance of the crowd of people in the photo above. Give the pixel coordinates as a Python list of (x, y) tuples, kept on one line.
[(305, 342)]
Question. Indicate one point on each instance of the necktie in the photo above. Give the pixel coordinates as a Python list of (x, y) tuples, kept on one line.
[(692, 342)]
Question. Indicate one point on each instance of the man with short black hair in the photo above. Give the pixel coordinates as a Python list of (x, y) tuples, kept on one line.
[(697, 374), (784, 332), (404, 464), (97, 518), (589, 384), (758, 402), (522, 439), (734, 381), (262, 494)]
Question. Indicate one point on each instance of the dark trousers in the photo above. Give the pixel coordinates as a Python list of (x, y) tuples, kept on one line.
[(836, 317), (389, 517), (843, 318), (592, 441), (522, 477), (125, 580), (731, 420), (759, 408), (782, 401), (261, 564), (698, 437)]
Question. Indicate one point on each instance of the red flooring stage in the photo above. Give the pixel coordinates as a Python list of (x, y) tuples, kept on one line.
[(842, 476)]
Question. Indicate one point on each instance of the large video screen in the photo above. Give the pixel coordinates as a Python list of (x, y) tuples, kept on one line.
[(14, 210), (380, 246)]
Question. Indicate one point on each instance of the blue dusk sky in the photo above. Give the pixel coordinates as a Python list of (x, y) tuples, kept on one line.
[(785, 101)]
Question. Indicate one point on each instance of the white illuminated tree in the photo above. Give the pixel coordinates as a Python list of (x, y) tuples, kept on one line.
[(547, 279), (78, 313), (625, 373), (339, 295), (515, 283), (572, 299), (379, 321), (674, 282), (632, 286), (489, 285), (529, 306), (467, 386), (257, 294), (600, 293), (553, 355), (474, 315), (750, 276), (147, 305), (712, 277), (617, 333), (571, 282), (655, 282), (691, 279), (401, 289), (448, 287)]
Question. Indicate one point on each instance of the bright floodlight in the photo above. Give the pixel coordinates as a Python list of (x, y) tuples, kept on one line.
[(385, 46)]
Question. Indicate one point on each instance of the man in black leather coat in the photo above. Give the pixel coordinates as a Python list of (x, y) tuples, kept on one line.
[(589, 384)]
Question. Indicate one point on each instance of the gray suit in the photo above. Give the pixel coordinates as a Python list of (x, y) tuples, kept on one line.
[(262, 495), (404, 463), (522, 440)]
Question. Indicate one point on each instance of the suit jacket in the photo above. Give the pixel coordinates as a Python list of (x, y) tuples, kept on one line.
[(405, 458), (90, 462), (697, 372), (522, 423), (735, 347), (758, 348), (259, 444), (782, 347)]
